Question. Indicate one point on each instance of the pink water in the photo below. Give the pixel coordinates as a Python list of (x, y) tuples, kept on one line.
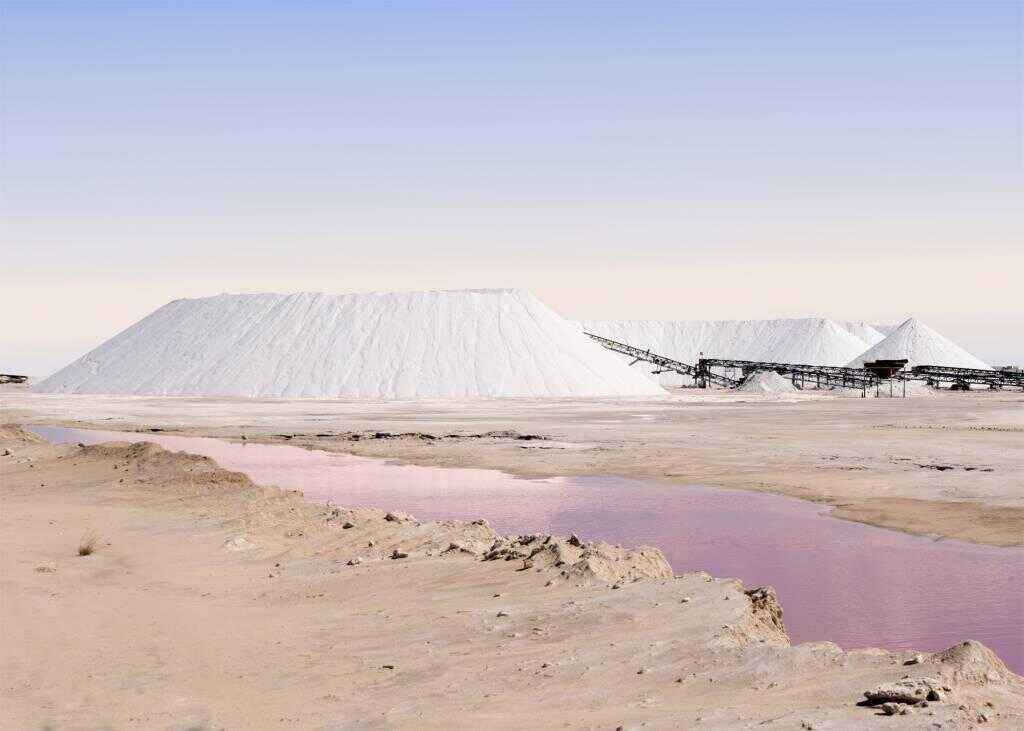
[(853, 584)]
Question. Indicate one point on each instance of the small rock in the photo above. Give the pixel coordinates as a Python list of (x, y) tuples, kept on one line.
[(934, 695), (982, 718), (399, 554), (574, 540), (641, 671), (685, 600), (908, 690), (387, 667), (915, 660), (392, 518), (47, 568), (503, 614), (239, 543), (616, 585), (354, 561), (371, 543), (346, 525)]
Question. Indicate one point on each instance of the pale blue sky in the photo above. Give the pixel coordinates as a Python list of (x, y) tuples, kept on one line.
[(671, 160)]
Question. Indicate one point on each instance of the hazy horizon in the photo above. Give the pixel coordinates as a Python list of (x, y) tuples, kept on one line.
[(649, 160)]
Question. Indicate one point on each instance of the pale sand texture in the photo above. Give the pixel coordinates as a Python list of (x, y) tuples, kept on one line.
[(215, 603), (876, 460)]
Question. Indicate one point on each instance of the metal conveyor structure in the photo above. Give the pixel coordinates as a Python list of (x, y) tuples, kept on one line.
[(801, 374), (962, 378), (663, 363), (817, 376)]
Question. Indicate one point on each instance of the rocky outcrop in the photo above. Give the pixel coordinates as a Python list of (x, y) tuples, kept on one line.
[(767, 611), (578, 560)]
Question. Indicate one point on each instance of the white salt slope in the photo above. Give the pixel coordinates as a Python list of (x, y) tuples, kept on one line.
[(816, 341), (457, 344), (868, 333), (767, 382), (920, 345)]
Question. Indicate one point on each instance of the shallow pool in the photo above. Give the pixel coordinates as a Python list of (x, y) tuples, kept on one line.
[(853, 584)]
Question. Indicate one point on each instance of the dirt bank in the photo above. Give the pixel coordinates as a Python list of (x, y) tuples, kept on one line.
[(211, 602)]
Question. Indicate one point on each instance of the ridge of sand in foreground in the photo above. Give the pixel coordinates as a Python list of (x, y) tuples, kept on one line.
[(212, 602)]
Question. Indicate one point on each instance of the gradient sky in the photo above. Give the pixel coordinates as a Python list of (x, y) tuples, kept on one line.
[(661, 160)]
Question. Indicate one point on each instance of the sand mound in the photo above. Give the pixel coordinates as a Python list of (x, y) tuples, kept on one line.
[(920, 345), (14, 435), (767, 382), (971, 661), (458, 344)]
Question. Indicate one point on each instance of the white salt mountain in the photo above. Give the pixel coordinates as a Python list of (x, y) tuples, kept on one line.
[(816, 341), (920, 345), (457, 344), (870, 334)]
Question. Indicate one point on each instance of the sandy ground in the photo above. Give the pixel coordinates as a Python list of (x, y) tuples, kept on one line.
[(211, 602), (948, 465)]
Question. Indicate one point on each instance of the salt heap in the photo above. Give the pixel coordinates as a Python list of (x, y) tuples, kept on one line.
[(870, 334), (456, 344), (766, 382), (816, 341), (920, 345)]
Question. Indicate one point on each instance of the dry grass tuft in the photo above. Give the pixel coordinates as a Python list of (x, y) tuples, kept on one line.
[(87, 545)]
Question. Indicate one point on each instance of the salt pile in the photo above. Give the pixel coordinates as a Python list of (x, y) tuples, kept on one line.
[(767, 382), (920, 345), (457, 344), (816, 341), (870, 334)]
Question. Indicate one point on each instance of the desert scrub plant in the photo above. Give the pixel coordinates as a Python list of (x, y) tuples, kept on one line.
[(87, 545)]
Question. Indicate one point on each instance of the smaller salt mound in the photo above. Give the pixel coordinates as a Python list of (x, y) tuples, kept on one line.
[(920, 345), (915, 389), (766, 382)]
